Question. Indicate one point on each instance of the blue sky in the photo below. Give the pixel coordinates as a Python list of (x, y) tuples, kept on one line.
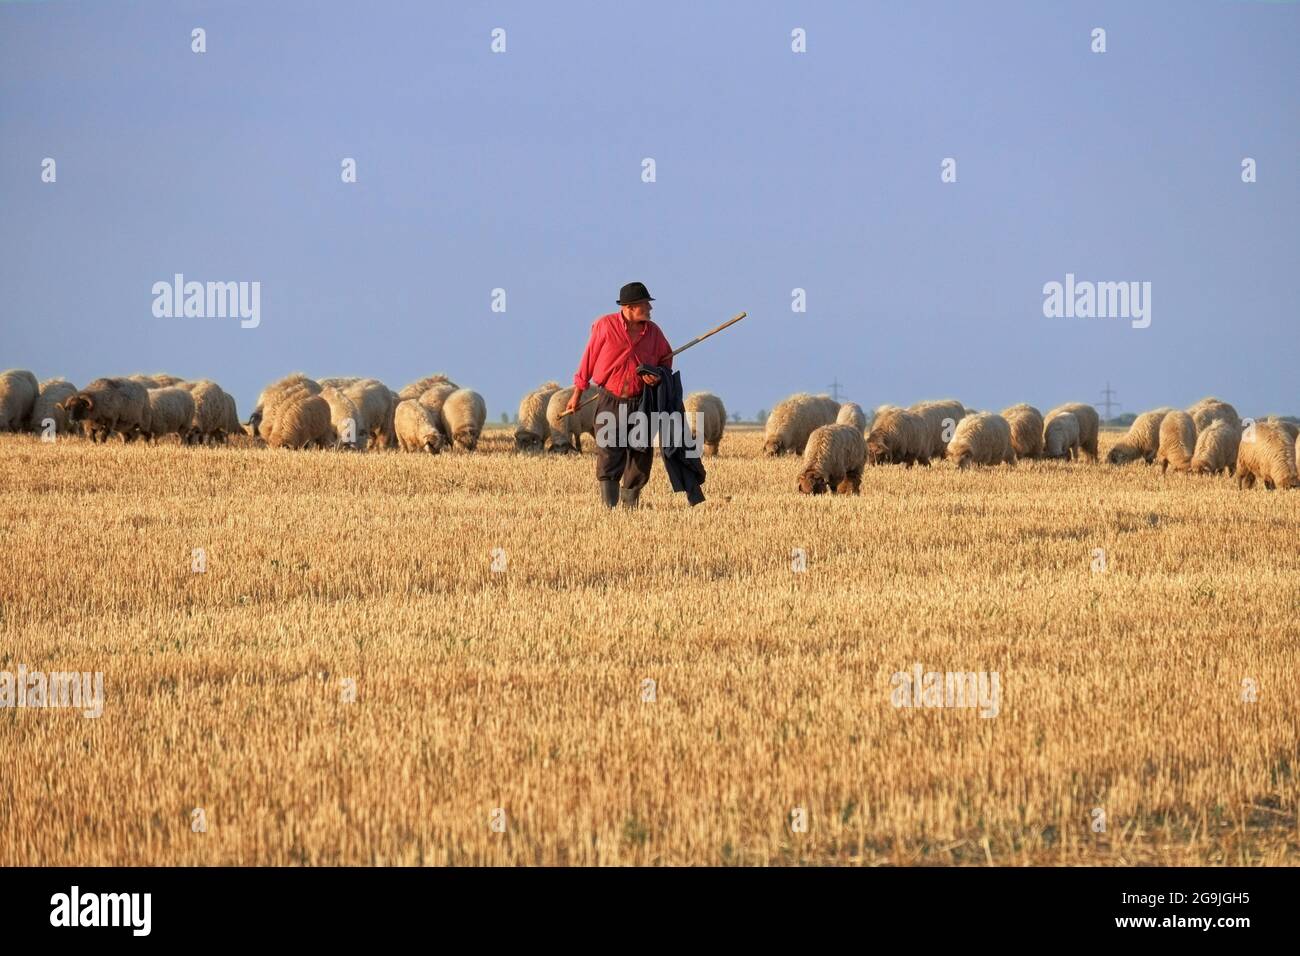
[(775, 170)]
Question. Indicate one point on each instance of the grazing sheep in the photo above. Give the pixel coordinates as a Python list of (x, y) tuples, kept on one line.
[(1210, 409), (18, 394), (210, 412), (898, 437), (432, 398), (1290, 428), (1266, 454), (1089, 426), (110, 405), (851, 413), (1061, 436), (532, 430), (567, 430), (345, 417), (463, 415), (417, 388), (1177, 442), (171, 412), (793, 420), (1141, 441), (302, 421), (161, 380), (982, 439), (374, 400), (1216, 449), (230, 421), (833, 458), (49, 406), (941, 420), (276, 390), (1026, 424), (416, 427), (714, 413)]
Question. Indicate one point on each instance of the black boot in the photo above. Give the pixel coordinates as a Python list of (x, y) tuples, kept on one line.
[(608, 493), (629, 496)]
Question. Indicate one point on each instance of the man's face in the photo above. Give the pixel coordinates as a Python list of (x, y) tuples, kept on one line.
[(637, 311)]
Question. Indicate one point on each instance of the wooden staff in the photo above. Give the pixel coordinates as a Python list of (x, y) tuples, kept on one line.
[(695, 341)]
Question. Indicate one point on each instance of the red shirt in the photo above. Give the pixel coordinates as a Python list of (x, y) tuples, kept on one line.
[(612, 355)]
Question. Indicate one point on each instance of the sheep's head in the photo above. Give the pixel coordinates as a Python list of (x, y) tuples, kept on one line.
[(964, 459), (433, 442), (772, 446), (526, 441), (812, 483), (467, 438), (877, 453), (1121, 455), (78, 407)]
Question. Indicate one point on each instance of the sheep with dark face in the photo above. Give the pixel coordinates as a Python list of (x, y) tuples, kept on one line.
[(110, 406)]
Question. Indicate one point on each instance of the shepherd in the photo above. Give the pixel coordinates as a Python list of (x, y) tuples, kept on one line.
[(619, 342)]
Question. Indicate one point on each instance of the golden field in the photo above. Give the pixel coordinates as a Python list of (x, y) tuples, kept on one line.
[(522, 689)]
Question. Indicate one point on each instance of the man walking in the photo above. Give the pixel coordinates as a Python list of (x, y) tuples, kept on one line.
[(620, 342)]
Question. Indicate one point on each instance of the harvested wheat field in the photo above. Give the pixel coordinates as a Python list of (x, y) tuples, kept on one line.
[(1147, 712)]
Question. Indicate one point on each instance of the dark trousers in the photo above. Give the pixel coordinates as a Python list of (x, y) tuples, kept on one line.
[(619, 461)]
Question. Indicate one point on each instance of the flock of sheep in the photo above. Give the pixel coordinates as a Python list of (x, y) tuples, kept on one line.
[(835, 439), (837, 443)]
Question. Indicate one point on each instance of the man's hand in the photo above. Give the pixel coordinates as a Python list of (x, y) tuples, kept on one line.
[(650, 379), (574, 400)]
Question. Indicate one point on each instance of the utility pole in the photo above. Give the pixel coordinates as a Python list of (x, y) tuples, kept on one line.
[(835, 389), (1106, 394)]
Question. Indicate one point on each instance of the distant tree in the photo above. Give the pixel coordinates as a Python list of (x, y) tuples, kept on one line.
[(505, 418), (735, 417), (1122, 421), (761, 417)]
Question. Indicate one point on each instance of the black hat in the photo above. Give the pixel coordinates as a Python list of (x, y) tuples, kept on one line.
[(634, 292)]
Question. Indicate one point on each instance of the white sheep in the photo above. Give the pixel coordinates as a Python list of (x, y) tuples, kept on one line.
[(48, 411), (417, 388), (1141, 441), (1216, 448), (851, 413), (898, 437), (463, 415), (1177, 442), (794, 419), (1211, 409), (982, 439), (709, 407), (833, 459), (941, 418), (1061, 435), (374, 401), (1266, 454), (1089, 423), (345, 417), (567, 430), (416, 428), (18, 393), (1026, 424), (171, 412), (532, 431)]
